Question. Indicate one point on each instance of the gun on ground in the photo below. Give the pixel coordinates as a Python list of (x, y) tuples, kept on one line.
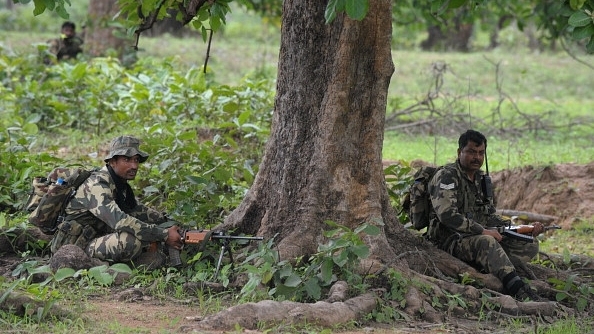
[(522, 232), (202, 236)]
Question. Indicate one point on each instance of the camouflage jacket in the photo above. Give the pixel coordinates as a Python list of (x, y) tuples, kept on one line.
[(94, 205), (459, 205), (66, 48)]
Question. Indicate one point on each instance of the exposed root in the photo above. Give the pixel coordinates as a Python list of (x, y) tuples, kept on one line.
[(250, 315)]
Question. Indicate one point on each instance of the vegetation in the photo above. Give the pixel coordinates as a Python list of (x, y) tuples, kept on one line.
[(204, 155)]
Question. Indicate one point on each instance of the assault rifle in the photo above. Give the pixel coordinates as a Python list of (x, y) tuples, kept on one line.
[(521, 232), (198, 237)]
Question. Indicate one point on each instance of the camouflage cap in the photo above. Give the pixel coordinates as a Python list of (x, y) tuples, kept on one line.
[(127, 146)]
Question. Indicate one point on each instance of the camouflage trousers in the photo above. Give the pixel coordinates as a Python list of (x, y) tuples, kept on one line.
[(497, 258), (115, 247)]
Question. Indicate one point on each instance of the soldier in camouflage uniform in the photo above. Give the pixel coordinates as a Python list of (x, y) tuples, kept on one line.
[(462, 215), (69, 45), (104, 219)]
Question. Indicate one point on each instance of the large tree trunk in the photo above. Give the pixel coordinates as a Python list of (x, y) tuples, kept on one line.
[(99, 35), (324, 156)]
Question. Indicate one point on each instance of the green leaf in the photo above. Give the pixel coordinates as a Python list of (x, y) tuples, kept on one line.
[(561, 296), (456, 3), (285, 271), (39, 7), (340, 259), (293, 281), (368, 229), (330, 12), (576, 4), (357, 9), (62, 12), (362, 251), (50, 4), (579, 19), (313, 289), (326, 270), (63, 273), (121, 268), (583, 32), (30, 128)]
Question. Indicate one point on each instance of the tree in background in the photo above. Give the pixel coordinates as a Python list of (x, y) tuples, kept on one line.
[(102, 35)]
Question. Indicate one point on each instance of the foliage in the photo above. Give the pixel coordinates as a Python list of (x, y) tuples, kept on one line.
[(203, 154), (578, 295), (46, 293), (570, 18), (398, 179), (306, 279)]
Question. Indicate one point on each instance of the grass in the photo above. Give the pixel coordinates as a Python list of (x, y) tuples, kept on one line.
[(550, 84)]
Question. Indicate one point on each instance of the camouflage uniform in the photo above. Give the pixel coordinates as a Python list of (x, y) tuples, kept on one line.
[(460, 214), (103, 228), (66, 48)]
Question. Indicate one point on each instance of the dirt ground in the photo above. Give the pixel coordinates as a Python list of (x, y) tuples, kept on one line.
[(151, 316), (564, 191)]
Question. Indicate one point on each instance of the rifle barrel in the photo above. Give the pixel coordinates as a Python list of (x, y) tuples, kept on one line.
[(222, 236)]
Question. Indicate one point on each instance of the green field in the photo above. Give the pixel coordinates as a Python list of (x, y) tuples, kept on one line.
[(550, 87)]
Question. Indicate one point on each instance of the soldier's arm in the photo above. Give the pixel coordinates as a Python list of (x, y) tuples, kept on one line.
[(444, 190), (148, 215), (100, 202)]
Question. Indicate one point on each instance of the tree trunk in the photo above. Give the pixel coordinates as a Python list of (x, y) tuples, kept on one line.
[(323, 160), (99, 36), (324, 155)]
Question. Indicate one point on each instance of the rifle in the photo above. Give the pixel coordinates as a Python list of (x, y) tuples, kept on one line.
[(202, 236), (521, 232)]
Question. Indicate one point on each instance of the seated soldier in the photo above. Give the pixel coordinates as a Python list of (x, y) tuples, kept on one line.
[(462, 219), (104, 218)]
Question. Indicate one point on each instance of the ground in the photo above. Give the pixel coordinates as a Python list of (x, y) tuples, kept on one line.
[(565, 191)]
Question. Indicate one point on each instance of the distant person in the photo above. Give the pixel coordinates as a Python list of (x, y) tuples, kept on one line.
[(463, 219), (69, 45)]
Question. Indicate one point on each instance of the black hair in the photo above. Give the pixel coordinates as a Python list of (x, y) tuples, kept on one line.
[(69, 25), (471, 135)]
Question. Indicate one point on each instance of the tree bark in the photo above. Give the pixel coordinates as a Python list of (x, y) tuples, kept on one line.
[(323, 160), (99, 36)]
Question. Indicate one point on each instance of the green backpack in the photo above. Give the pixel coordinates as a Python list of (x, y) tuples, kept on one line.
[(417, 202), (50, 195)]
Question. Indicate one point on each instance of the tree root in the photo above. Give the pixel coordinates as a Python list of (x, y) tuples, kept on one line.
[(22, 305), (251, 315)]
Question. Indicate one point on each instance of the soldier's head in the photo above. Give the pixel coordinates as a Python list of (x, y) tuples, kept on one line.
[(124, 156), (68, 29), (472, 146)]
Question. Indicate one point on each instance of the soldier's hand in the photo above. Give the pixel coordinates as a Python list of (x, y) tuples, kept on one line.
[(174, 239), (538, 229), (493, 233)]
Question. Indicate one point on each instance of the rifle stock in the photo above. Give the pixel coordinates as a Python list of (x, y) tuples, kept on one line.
[(521, 232)]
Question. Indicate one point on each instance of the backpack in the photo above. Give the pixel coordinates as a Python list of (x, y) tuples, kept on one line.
[(50, 195), (416, 201)]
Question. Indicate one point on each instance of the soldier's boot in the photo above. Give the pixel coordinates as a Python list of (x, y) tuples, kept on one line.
[(525, 293)]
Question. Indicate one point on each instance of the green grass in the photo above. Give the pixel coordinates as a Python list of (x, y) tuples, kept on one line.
[(548, 84), (503, 153)]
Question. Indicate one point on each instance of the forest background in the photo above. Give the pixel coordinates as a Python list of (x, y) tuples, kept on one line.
[(534, 104)]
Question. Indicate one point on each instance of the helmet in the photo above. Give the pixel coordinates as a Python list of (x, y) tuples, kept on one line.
[(127, 146)]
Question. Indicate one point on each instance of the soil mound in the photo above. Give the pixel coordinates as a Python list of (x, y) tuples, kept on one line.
[(565, 191)]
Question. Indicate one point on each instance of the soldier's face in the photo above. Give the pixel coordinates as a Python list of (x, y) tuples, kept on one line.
[(68, 32), (472, 156), (125, 167)]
